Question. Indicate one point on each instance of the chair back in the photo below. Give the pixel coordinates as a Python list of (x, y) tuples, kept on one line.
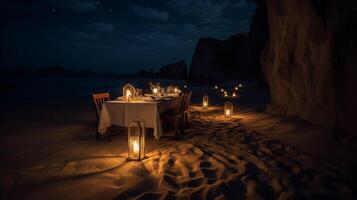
[(187, 100), (178, 108), (98, 100)]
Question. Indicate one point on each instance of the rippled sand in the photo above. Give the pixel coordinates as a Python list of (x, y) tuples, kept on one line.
[(216, 158)]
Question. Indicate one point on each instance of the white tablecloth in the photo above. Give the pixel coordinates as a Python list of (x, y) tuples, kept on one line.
[(121, 113)]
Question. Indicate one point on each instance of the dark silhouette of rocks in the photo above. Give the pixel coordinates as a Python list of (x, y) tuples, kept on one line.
[(237, 57), (177, 70), (146, 73), (310, 61)]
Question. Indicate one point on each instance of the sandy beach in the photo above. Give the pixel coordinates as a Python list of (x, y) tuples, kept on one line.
[(251, 155)]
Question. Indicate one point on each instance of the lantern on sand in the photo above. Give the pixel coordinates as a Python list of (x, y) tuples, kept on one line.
[(128, 92), (205, 101), (228, 109), (136, 140)]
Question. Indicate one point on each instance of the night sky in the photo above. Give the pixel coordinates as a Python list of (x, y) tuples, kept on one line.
[(113, 35)]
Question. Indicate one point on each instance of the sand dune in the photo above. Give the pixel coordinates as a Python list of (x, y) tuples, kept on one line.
[(217, 158)]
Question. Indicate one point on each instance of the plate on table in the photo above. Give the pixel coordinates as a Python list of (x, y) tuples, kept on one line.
[(159, 98), (149, 99)]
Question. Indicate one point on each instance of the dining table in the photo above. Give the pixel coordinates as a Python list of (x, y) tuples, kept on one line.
[(148, 109)]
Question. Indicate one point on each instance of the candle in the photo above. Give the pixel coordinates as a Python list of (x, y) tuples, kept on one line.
[(234, 94), (228, 112), (154, 90), (128, 95), (205, 103), (135, 148)]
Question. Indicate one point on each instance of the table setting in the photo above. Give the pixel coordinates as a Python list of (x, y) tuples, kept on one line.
[(134, 105)]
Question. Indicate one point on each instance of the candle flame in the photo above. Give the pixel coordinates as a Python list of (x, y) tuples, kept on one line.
[(228, 112), (128, 93), (154, 90), (135, 147)]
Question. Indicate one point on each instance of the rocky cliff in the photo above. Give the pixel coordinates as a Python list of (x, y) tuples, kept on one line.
[(310, 60), (235, 57), (177, 70)]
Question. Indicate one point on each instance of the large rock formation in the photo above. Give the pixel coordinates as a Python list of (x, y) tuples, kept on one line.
[(235, 57), (215, 60), (310, 60), (176, 70)]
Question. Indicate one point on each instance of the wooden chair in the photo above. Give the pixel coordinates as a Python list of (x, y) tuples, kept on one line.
[(174, 117), (186, 109), (98, 100)]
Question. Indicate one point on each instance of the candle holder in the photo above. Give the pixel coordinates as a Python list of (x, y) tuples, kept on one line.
[(205, 102), (228, 109), (128, 92), (136, 141)]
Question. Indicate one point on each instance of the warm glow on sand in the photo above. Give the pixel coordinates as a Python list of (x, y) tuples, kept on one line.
[(228, 112)]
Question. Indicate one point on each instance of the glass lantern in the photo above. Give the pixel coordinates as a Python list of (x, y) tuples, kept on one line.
[(225, 94), (136, 140), (228, 109), (128, 92), (205, 101)]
